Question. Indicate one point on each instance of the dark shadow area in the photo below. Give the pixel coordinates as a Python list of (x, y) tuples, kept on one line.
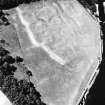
[(9, 4), (96, 95)]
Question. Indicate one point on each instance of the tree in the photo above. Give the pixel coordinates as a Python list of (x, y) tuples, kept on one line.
[(3, 52), (18, 59), (9, 59), (29, 73), (19, 92)]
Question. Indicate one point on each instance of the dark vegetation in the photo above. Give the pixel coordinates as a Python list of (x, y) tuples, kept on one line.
[(19, 92), (3, 19), (8, 4), (90, 4)]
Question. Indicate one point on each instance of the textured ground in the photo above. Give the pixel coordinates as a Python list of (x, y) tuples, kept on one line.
[(68, 31)]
